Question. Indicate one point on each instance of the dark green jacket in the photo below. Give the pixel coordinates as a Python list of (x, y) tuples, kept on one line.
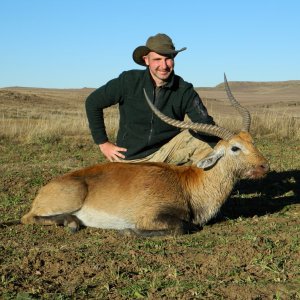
[(140, 131)]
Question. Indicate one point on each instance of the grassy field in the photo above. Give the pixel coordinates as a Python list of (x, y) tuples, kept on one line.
[(251, 250)]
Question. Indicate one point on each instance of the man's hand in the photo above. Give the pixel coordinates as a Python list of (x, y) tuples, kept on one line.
[(112, 152)]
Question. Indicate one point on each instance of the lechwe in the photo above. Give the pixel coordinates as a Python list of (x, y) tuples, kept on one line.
[(152, 198)]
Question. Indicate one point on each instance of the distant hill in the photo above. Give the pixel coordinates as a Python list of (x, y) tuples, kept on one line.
[(254, 84), (233, 84), (282, 97), (273, 84)]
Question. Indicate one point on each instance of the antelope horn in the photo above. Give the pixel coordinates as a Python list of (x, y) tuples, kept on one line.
[(242, 110), (220, 132)]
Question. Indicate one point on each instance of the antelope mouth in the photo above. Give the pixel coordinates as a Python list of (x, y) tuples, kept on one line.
[(257, 173)]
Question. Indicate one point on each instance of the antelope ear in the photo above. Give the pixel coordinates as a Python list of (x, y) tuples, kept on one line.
[(211, 159)]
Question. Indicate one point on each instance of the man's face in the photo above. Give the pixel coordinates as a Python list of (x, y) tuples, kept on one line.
[(160, 66)]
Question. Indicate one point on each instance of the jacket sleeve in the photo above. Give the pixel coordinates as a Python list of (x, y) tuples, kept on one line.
[(103, 97), (198, 113), (196, 110)]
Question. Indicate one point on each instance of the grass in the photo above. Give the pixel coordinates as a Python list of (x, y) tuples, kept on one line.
[(250, 251)]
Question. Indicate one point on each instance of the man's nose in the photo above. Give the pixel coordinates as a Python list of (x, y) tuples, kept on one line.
[(163, 64)]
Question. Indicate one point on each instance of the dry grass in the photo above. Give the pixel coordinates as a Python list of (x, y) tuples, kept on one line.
[(268, 124), (27, 115), (50, 118), (28, 129)]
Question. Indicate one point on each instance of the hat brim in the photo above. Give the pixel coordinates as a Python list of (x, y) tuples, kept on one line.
[(141, 51)]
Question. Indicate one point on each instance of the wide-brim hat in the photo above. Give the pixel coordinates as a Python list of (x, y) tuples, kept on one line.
[(160, 43)]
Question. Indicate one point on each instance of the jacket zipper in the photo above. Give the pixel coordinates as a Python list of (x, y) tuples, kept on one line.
[(156, 96), (155, 100), (152, 118)]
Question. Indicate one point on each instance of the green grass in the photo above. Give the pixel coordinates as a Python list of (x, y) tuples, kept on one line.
[(250, 251)]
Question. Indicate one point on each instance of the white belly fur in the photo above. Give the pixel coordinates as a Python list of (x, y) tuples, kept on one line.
[(93, 218)]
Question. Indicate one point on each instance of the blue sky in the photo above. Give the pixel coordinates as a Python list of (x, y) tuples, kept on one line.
[(75, 44)]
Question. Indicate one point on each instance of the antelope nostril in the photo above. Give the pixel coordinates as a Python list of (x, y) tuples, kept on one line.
[(265, 167)]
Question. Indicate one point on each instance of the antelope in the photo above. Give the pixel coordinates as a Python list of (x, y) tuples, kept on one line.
[(148, 199)]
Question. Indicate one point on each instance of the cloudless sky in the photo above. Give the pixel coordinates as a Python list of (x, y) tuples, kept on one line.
[(85, 43)]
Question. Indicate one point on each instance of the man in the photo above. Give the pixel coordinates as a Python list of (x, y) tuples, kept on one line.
[(142, 136)]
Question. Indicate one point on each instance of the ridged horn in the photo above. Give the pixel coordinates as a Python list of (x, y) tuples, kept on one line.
[(214, 130), (242, 110)]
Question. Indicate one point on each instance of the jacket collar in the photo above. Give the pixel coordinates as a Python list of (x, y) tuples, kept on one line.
[(149, 86)]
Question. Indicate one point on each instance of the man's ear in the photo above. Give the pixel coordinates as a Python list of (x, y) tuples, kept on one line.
[(146, 59), (211, 159)]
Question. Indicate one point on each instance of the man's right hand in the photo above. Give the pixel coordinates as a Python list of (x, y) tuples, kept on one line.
[(112, 152)]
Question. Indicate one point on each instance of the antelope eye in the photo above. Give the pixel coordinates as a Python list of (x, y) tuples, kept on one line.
[(235, 148)]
